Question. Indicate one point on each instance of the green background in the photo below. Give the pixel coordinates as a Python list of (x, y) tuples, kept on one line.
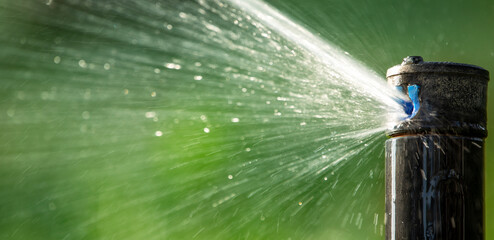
[(80, 159)]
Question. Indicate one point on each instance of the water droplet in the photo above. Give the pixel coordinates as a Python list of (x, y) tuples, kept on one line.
[(303, 123), (106, 66), (182, 15), (206, 130), (158, 133), (197, 64), (203, 117), (198, 78), (212, 27), (153, 94), (11, 112), (85, 115), (157, 70), (235, 120), (244, 89), (325, 178), (82, 64), (150, 114), (453, 223), (169, 26), (21, 95), (45, 95), (247, 149), (300, 203), (57, 59), (87, 94), (424, 176), (52, 205), (173, 66), (230, 177), (83, 128)]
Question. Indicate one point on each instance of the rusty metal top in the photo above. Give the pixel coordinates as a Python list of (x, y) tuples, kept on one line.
[(415, 64), (448, 98)]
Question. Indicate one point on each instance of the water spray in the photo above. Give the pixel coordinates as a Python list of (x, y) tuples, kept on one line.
[(435, 156)]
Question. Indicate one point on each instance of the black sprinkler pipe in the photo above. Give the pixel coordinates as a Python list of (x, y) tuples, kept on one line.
[(435, 155)]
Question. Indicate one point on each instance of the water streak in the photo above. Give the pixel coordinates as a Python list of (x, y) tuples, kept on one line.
[(183, 119)]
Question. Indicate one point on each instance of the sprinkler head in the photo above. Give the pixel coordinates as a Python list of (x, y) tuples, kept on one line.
[(435, 156), (446, 98)]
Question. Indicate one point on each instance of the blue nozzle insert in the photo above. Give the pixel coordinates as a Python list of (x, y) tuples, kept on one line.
[(413, 93), (410, 107), (407, 105)]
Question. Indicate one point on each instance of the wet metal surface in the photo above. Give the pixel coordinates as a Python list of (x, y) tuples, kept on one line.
[(435, 158), (434, 187)]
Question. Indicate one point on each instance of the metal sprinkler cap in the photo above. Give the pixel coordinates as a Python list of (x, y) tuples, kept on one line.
[(448, 98)]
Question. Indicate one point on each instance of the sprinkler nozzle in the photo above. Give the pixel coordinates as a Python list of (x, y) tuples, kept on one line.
[(411, 106)]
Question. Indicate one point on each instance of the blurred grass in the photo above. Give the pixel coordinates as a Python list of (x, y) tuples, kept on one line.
[(63, 177)]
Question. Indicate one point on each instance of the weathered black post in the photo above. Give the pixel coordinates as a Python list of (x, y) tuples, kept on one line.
[(435, 157)]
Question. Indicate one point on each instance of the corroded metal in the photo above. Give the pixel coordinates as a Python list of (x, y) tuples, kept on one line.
[(435, 158), (453, 98)]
